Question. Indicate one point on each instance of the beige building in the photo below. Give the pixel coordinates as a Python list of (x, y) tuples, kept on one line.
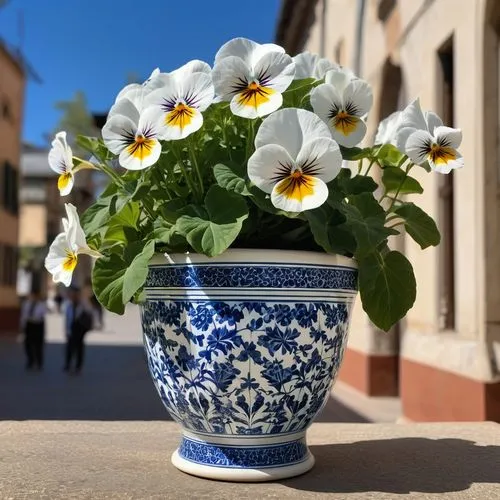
[(12, 81), (443, 360)]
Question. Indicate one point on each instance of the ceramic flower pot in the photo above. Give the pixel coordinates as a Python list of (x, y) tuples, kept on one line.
[(243, 350)]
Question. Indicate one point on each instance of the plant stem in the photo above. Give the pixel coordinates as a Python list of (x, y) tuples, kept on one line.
[(184, 171), (194, 163), (370, 166), (407, 171), (224, 136), (250, 138)]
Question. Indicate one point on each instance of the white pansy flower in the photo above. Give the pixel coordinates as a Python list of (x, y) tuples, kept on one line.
[(295, 157), (65, 249), (309, 65), (388, 129), (438, 148), (342, 102), (183, 96), (133, 136), (252, 76), (412, 118), (61, 161)]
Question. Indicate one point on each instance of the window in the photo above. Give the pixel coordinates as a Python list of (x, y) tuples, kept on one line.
[(6, 111), (10, 194), (8, 265), (447, 194)]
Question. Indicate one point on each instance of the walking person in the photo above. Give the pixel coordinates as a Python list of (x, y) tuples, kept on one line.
[(33, 312), (78, 321)]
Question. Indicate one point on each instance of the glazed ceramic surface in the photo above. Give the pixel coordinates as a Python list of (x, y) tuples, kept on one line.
[(243, 350)]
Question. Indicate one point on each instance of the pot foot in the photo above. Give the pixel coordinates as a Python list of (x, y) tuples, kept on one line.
[(243, 460)]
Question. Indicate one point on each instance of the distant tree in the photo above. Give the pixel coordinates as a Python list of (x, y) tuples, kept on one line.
[(132, 77), (75, 119)]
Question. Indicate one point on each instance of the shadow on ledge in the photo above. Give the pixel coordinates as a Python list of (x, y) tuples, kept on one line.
[(114, 385), (400, 465)]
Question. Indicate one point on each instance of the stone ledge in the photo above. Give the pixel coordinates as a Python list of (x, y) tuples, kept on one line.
[(131, 460)]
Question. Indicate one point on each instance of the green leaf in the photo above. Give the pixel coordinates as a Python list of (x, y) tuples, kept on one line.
[(353, 154), (387, 287), (127, 216), (392, 177), (94, 218), (366, 219), (358, 184), (329, 231), (420, 226), (389, 155), (137, 272), (231, 178), (115, 279), (214, 233)]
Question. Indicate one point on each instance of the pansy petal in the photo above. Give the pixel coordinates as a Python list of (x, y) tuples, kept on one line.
[(117, 131), (180, 124), (321, 158), (323, 66), (325, 99), (268, 165), (257, 105), (418, 146), (290, 128), (194, 66), (305, 64), (387, 129), (242, 48), (197, 90), (339, 78), (446, 168), (166, 95), (65, 183), (351, 135), (412, 116), (275, 70), (60, 154), (125, 107), (264, 50), (75, 234), (448, 136), (230, 76), (138, 158), (402, 137), (57, 260), (292, 196), (126, 90), (358, 94), (432, 120)]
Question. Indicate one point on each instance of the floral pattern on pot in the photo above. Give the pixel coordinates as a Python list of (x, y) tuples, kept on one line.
[(245, 366)]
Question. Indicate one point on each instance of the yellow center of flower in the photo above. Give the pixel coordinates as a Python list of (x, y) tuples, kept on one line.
[(181, 116), (63, 181), (297, 186), (70, 261), (254, 95), (441, 154), (345, 123), (141, 148)]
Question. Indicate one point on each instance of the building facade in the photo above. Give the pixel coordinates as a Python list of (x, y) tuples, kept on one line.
[(12, 83), (443, 359)]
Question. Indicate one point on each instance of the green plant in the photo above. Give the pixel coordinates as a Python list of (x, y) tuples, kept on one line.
[(258, 167)]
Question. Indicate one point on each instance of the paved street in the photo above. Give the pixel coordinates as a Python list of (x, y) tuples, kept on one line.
[(114, 383)]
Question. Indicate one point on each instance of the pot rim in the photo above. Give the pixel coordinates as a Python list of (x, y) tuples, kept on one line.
[(257, 256)]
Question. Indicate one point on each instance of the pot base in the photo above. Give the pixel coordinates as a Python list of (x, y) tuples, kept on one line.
[(243, 459)]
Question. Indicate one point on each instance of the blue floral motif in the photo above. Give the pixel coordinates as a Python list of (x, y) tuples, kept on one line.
[(279, 339), (240, 366)]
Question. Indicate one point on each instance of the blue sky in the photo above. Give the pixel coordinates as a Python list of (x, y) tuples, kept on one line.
[(92, 45)]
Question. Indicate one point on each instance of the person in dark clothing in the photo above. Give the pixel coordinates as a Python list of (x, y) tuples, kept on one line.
[(33, 313), (78, 321)]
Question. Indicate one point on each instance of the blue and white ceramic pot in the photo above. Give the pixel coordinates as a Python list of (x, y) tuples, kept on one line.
[(243, 349)]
